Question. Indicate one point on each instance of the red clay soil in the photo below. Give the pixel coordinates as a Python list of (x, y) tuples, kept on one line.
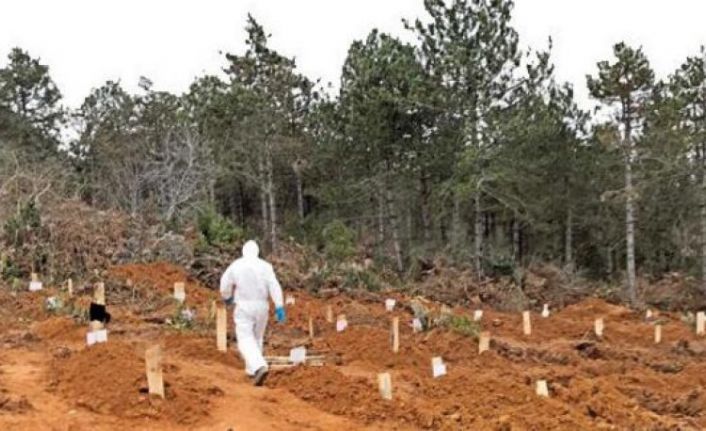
[(622, 381), (161, 277), (110, 379), (619, 381)]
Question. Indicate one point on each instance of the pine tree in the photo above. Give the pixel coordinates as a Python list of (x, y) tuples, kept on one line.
[(626, 83)]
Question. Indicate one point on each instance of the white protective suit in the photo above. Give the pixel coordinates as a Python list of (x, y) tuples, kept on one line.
[(253, 281)]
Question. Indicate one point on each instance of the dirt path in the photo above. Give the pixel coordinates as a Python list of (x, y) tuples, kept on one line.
[(34, 405)]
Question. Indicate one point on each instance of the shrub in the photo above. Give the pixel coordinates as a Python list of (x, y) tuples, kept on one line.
[(464, 325), (19, 228), (338, 241), (216, 230)]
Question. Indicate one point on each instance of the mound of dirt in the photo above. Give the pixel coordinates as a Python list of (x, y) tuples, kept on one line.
[(60, 329), (110, 379), (160, 277)]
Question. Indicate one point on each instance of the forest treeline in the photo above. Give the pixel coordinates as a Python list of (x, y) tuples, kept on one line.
[(459, 145)]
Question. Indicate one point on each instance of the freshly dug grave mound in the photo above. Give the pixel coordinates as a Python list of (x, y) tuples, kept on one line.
[(60, 329), (110, 379), (161, 277)]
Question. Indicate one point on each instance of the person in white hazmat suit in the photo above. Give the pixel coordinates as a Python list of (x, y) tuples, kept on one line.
[(248, 282)]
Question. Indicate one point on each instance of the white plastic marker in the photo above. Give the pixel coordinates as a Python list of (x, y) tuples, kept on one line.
[(341, 323), (289, 300), (297, 355), (390, 304), (438, 368), (101, 336), (658, 333), (417, 325), (526, 323), (648, 314), (545, 311), (97, 336), (477, 315), (542, 388), (483, 342), (35, 284), (385, 386), (700, 323), (180, 291), (598, 327)]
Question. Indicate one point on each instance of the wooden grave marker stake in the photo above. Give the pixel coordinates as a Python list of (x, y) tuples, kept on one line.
[(35, 276), (221, 329), (70, 287), (526, 323), (180, 291), (658, 333), (99, 293), (385, 385), (329, 314), (700, 323), (395, 334), (477, 315), (598, 327), (153, 365), (483, 342), (542, 388), (311, 327)]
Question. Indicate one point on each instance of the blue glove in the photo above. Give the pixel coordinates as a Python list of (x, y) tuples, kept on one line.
[(281, 315), (228, 301)]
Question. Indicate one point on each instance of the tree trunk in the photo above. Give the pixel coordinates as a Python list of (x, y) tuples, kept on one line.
[(630, 222), (478, 223), (478, 233), (516, 245), (381, 217), (569, 242), (263, 197), (426, 211), (300, 197), (703, 217), (609, 261), (271, 195), (394, 227), (297, 167), (456, 233)]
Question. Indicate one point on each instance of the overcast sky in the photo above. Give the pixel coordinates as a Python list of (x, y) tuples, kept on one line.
[(86, 42)]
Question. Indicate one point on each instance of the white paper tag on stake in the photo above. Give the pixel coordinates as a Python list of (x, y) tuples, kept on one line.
[(390, 304), (35, 286), (416, 325), (341, 325), (90, 338), (101, 336), (297, 355), (289, 300), (477, 315), (438, 368), (545, 311)]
